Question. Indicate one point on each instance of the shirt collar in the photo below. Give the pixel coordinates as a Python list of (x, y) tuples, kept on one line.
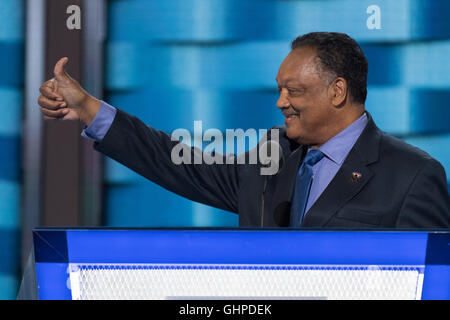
[(338, 147)]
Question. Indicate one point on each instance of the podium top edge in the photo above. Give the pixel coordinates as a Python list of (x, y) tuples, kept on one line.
[(98, 228)]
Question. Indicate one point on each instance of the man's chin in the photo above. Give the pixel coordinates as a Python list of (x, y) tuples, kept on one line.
[(293, 134)]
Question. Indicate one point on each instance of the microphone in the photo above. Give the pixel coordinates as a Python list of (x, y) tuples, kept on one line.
[(267, 164)]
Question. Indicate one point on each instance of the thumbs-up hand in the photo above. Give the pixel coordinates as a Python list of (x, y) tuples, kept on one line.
[(63, 98)]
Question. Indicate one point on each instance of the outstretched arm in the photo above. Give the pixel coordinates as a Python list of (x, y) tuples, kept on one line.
[(143, 149)]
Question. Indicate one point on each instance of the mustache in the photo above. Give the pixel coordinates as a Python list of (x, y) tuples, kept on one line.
[(290, 112)]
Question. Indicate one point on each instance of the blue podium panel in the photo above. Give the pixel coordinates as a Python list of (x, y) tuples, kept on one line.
[(241, 263)]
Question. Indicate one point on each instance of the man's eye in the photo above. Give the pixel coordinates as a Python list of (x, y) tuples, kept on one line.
[(296, 92), (290, 91)]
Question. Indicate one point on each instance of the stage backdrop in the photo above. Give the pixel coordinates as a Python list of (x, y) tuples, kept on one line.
[(176, 61), (11, 90)]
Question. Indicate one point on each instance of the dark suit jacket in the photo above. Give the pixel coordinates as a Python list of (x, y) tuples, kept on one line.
[(400, 186)]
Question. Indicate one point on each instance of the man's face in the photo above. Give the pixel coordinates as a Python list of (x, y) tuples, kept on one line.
[(304, 98)]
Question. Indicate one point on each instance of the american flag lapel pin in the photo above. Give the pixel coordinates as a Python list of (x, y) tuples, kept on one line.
[(356, 176)]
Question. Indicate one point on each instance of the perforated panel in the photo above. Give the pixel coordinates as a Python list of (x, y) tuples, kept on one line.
[(148, 281)]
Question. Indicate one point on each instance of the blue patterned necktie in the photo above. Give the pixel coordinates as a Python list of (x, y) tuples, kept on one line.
[(302, 187)]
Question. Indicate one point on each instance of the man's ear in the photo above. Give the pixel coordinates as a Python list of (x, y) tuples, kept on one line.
[(338, 91)]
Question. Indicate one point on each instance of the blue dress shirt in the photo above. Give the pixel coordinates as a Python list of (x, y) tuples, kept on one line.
[(101, 123), (335, 150)]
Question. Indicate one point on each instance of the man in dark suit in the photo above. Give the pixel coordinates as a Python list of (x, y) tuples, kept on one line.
[(337, 168)]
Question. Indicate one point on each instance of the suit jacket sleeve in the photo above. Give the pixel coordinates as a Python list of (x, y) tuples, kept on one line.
[(427, 203), (147, 151)]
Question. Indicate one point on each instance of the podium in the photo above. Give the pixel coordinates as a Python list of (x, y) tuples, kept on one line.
[(220, 263)]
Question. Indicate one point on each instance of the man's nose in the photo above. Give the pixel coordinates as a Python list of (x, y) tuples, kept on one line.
[(283, 101)]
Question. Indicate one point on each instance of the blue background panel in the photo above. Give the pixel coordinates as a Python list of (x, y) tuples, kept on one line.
[(401, 110), (149, 210), (218, 20), (416, 64), (10, 108), (254, 64), (11, 63), (11, 91), (222, 65), (11, 22)]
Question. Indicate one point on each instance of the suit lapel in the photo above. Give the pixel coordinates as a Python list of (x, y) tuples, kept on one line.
[(349, 180), (280, 188), (340, 190)]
